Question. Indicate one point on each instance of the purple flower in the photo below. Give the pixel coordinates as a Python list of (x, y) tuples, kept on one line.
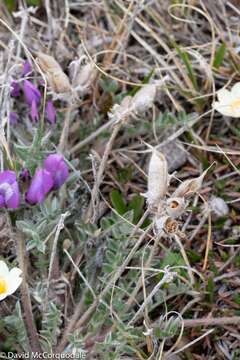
[(31, 93), (57, 167), (51, 112), (41, 184), (15, 91), (34, 112), (13, 118), (9, 190), (32, 97), (27, 68)]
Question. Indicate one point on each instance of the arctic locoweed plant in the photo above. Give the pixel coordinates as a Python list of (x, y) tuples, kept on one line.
[(167, 209)]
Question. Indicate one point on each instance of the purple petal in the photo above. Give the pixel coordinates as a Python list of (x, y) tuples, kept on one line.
[(15, 91), (13, 118), (41, 184), (7, 176), (14, 200), (27, 68), (56, 165), (31, 93), (9, 190), (2, 201), (34, 111), (51, 112)]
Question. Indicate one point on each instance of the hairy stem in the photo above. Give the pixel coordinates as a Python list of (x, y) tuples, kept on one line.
[(25, 298)]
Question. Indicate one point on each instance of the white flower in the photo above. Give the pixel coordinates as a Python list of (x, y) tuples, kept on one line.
[(228, 102), (10, 280)]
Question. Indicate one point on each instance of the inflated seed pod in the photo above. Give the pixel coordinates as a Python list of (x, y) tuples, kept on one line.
[(175, 206), (157, 179), (57, 79), (189, 187), (144, 98), (86, 75)]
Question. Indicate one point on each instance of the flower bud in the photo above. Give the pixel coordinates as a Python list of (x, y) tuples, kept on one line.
[(24, 175), (15, 89), (157, 178), (57, 79), (27, 68), (32, 97), (175, 206), (50, 112)]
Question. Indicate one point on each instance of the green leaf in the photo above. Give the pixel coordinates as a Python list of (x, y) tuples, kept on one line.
[(193, 256), (109, 85), (185, 58), (10, 4), (219, 56), (210, 289), (51, 327), (33, 2), (172, 259), (146, 80), (16, 327), (136, 204), (118, 202), (125, 174)]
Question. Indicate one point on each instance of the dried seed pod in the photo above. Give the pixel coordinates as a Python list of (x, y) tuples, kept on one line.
[(171, 226), (144, 98), (85, 76), (175, 206), (166, 224), (157, 179), (57, 79), (189, 187)]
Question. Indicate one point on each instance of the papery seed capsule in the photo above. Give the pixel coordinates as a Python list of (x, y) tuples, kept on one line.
[(175, 206), (144, 98), (157, 179), (57, 79), (85, 76), (189, 187), (171, 226), (47, 62)]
